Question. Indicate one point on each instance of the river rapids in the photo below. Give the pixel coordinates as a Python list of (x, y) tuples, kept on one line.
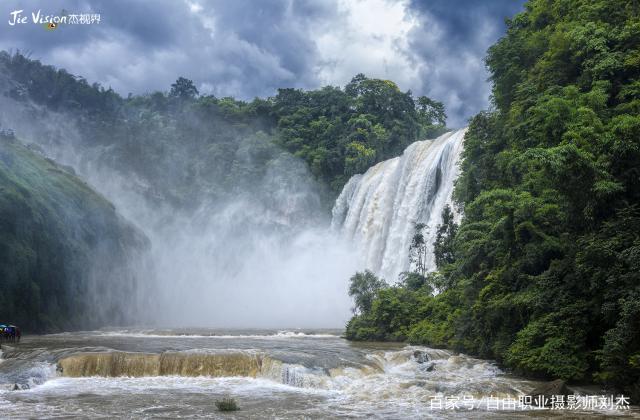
[(271, 374)]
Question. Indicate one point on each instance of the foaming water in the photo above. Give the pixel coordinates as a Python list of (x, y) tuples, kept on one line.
[(262, 334), (284, 374), (114, 364), (378, 210)]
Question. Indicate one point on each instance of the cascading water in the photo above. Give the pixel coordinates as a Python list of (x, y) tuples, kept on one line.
[(378, 210)]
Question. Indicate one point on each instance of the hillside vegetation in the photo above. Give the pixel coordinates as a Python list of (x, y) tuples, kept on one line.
[(64, 251)]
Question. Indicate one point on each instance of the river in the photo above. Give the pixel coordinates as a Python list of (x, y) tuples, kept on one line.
[(141, 373)]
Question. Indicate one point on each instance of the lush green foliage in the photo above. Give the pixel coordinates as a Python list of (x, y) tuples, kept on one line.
[(63, 248), (390, 316), (343, 132), (543, 273), (363, 288), (444, 246)]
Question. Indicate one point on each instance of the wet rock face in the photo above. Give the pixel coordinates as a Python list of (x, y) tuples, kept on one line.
[(14, 387), (420, 356), (549, 389)]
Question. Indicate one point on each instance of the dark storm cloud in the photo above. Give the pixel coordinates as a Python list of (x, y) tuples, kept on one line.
[(242, 48), (449, 45), (464, 18), (269, 44), (250, 48)]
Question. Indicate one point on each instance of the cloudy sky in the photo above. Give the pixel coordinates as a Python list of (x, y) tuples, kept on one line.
[(248, 48)]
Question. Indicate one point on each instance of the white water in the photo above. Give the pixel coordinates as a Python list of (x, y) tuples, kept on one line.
[(378, 210), (301, 374)]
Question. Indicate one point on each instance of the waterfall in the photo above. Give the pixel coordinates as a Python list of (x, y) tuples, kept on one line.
[(378, 210), (116, 363)]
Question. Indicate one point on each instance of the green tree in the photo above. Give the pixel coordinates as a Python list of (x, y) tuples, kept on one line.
[(363, 287), (358, 158), (183, 89), (418, 249), (445, 235), (431, 112)]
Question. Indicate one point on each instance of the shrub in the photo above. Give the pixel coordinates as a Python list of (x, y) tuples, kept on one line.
[(227, 404)]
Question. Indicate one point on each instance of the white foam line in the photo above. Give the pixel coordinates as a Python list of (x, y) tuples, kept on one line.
[(194, 336), (200, 384)]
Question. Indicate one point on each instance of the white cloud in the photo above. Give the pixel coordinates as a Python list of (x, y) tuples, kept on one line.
[(368, 37)]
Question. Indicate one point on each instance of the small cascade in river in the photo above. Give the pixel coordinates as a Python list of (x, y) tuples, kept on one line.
[(379, 209)]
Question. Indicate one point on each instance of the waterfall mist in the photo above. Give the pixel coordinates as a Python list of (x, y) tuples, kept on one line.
[(264, 256), (266, 260), (378, 210), (264, 252)]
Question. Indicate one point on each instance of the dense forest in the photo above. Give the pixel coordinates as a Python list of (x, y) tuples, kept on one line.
[(543, 272)]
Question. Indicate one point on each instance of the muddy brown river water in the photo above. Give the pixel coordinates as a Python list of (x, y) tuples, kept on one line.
[(141, 373)]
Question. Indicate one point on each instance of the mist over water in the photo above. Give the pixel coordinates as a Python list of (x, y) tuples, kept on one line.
[(266, 257), (266, 260)]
